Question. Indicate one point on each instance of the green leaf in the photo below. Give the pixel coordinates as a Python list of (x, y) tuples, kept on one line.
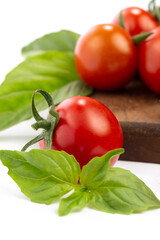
[(95, 171), (122, 192), (63, 41), (52, 71), (48, 71), (78, 200), (76, 88), (42, 175)]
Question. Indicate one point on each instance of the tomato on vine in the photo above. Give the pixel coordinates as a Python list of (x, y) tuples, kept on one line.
[(79, 125)]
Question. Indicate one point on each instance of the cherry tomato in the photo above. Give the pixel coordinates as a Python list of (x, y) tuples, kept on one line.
[(105, 57), (86, 129), (149, 61), (137, 20)]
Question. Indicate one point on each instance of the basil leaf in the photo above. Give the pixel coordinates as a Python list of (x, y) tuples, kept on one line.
[(48, 71), (96, 169), (46, 175), (43, 175), (78, 200), (76, 88), (52, 71), (122, 192), (63, 40)]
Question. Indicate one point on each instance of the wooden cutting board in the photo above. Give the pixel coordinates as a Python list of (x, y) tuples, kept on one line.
[(138, 110)]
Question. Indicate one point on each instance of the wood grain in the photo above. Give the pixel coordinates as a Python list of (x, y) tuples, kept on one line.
[(138, 110)]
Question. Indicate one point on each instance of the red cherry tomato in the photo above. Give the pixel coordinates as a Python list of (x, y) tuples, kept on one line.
[(105, 57), (137, 20), (149, 61), (86, 129)]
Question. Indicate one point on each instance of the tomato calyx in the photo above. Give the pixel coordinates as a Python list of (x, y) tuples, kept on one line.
[(137, 39), (154, 10), (48, 125), (121, 20)]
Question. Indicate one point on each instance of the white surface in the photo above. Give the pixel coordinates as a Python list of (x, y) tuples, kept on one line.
[(21, 22)]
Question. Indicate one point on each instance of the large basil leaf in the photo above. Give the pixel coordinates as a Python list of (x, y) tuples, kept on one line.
[(63, 40), (42, 175), (47, 71), (52, 71)]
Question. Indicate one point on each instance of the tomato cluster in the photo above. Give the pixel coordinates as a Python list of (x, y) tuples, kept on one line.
[(107, 58)]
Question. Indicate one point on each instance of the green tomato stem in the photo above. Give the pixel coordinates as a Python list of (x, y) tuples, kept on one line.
[(154, 10), (48, 125)]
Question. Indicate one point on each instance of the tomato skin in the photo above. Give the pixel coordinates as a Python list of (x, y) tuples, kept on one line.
[(105, 57), (149, 61), (137, 20), (86, 129)]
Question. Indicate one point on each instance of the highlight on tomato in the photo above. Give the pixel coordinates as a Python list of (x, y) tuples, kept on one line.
[(80, 126), (137, 20), (149, 61), (106, 57)]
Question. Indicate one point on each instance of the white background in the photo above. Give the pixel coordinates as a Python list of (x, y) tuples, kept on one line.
[(22, 21)]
